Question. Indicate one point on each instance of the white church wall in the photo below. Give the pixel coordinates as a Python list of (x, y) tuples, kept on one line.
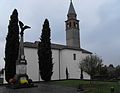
[(85, 75), (32, 63), (62, 65), (33, 66), (72, 64), (61, 59), (85, 55), (55, 56)]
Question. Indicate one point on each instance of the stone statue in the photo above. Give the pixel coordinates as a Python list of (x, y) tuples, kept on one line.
[(21, 64)]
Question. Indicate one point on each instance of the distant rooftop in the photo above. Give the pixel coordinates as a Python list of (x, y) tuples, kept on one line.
[(55, 46)]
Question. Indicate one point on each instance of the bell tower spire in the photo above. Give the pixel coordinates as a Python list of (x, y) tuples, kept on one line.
[(71, 10), (72, 28)]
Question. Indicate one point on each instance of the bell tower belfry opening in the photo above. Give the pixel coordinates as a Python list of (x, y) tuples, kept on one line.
[(72, 28)]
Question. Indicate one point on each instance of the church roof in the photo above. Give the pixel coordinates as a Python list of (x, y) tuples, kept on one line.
[(55, 46), (71, 9)]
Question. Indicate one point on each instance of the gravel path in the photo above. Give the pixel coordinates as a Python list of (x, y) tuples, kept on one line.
[(42, 88)]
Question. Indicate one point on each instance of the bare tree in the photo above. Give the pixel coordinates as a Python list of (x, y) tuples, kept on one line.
[(90, 65)]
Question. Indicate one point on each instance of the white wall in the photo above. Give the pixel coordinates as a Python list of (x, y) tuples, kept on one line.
[(55, 56), (33, 66), (71, 64), (32, 63), (60, 64)]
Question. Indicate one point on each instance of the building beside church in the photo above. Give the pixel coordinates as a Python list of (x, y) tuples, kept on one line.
[(64, 56)]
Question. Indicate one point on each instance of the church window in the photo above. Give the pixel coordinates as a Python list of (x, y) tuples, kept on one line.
[(77, 25), (74, 24), (74, 56), (70, 24), (67, 25)]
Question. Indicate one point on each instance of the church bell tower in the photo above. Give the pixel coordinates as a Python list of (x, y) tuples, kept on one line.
[(72, 28)]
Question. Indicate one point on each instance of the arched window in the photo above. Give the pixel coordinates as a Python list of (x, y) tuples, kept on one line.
[(77, 26), (74, 24), (67, 25), (74, 56), (70, 24)]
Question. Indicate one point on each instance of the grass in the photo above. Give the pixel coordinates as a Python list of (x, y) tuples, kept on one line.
[(95, 87)]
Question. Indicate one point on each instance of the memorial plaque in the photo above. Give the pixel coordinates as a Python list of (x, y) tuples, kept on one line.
[(23, 69)]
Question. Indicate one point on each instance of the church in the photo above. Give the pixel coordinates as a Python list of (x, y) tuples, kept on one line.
[(64, 56)]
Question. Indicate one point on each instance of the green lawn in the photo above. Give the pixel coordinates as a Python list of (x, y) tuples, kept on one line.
[(95, 87)]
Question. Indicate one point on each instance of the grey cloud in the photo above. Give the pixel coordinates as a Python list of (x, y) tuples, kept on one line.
[(99, 22), (104, 38)]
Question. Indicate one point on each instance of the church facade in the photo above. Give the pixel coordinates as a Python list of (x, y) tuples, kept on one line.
[(64, 56)]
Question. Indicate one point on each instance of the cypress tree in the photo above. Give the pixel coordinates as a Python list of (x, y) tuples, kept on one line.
[(45, 53), (12, 46), (67, 74), (81, 75)]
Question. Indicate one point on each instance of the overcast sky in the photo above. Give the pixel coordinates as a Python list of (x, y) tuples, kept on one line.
[(99, 23)]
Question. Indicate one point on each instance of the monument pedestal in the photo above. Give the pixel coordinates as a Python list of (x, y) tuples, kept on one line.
[(21, 71), (21, 79)]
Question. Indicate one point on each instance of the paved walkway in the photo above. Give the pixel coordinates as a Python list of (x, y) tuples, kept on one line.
[(42, 88)]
